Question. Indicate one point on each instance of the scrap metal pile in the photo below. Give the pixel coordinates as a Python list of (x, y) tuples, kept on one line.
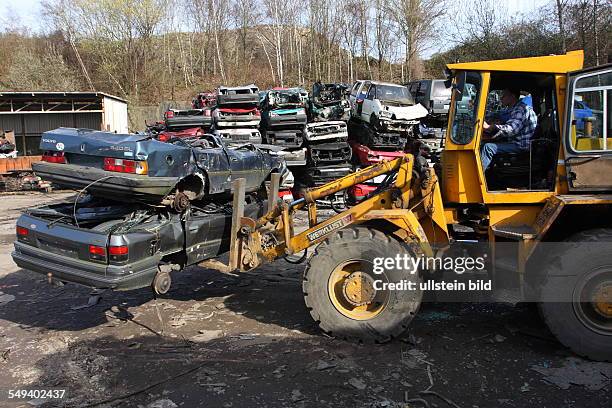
[(329, 154), (385, 123), (322, 136)]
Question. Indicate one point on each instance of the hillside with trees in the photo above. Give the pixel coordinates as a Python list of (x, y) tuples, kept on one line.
[(152, 50)]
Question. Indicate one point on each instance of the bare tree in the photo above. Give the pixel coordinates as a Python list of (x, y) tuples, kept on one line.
[(416, 20)]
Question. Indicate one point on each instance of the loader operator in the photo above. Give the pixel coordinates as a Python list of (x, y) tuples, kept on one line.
[(515, 134)]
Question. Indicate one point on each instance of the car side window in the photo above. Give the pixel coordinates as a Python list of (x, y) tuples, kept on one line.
[(364, 91), (355, 88), (590, 121), (371, 93)]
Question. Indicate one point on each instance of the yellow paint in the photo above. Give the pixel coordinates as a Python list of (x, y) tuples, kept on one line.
[(346, 286), (513, 215), (562, 64)]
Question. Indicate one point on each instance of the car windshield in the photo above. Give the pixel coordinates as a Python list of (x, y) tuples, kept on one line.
[(440, 90), (285, 98), (394, 93)]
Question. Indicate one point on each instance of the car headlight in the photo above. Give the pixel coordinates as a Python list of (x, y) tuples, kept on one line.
[(385, 114)]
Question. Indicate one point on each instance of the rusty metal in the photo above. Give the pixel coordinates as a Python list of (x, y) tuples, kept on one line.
[(313, 194), (274, 188)]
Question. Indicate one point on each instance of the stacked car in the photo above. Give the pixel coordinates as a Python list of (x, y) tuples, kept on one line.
[(236, 115), (384, 118), (326, 136), (283, 118)]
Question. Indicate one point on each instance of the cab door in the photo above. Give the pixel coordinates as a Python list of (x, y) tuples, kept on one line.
[(588, 138)]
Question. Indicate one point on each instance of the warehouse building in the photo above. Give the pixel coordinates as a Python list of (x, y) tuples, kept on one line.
[(29, 114)]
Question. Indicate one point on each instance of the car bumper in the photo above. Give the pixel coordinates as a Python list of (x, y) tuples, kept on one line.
[(132, 276), (328, 131), (104, 182), (233, 99), (191, 121), (285, 138), (286, 120)]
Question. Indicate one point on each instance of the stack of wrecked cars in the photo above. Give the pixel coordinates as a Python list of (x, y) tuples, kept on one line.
[(236, 115), (144, 207), (283, 119), (384, 118), (325, 138)]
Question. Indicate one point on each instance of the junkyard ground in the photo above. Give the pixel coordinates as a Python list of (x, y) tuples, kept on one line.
[(219, 341)]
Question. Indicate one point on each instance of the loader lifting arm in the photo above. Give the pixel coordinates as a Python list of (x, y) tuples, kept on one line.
[(272, 236)]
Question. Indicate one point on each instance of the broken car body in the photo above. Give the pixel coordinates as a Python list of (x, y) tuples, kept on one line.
[(104, 244), (140, 167), (329, 102)]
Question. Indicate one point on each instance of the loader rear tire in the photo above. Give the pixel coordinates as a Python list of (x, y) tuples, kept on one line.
[(338, 283), (576, 295)]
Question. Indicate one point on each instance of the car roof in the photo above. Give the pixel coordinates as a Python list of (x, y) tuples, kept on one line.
[(384, 83)]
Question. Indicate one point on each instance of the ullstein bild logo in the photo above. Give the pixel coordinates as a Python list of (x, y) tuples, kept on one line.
[(313, 236)]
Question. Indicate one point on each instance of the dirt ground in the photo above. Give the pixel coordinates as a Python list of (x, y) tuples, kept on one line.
[(219, 341)]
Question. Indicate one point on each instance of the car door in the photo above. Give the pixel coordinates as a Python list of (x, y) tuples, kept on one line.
[(246, 162), (215, 162), (361, 98), (588, 144), (368, 104)]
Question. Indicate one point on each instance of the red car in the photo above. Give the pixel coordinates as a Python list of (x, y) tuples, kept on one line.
[(166, 135), (364, 156)]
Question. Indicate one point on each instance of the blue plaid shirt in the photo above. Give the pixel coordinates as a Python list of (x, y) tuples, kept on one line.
[(519, 129)]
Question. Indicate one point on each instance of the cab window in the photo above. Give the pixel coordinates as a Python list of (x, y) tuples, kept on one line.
[(466, 108), (590, 125)]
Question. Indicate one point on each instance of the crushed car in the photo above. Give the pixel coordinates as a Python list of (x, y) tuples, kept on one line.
[(236, 115), (177, 119), (204, 100), (284, 116), (105, 244), (332, 131), (329, 102), (386, 107), (138, 167)]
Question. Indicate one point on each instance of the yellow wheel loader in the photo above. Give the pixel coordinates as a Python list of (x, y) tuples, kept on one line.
[(551, 203)]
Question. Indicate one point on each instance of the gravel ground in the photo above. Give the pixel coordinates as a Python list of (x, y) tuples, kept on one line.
[(219, 341)]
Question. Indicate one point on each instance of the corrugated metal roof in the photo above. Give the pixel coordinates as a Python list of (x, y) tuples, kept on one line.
[(51, 94)]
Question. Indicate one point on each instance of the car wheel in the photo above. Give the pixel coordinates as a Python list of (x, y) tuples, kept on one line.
[(374, 122)]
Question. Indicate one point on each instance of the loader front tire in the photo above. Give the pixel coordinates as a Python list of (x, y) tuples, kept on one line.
[(342, 296), (576, 296)]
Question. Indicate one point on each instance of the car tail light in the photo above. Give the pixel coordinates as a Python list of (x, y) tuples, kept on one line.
[(162, 137), (97, 253), (169, 114), (125, 166), (22, 231), (285, 195), (54, 157), (118, 253), (257, 112)]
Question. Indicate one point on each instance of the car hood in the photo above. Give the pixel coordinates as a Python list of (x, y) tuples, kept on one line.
[(407, 112)]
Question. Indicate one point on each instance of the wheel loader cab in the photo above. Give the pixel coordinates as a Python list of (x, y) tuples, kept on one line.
[(528, 175), (532, 167)]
